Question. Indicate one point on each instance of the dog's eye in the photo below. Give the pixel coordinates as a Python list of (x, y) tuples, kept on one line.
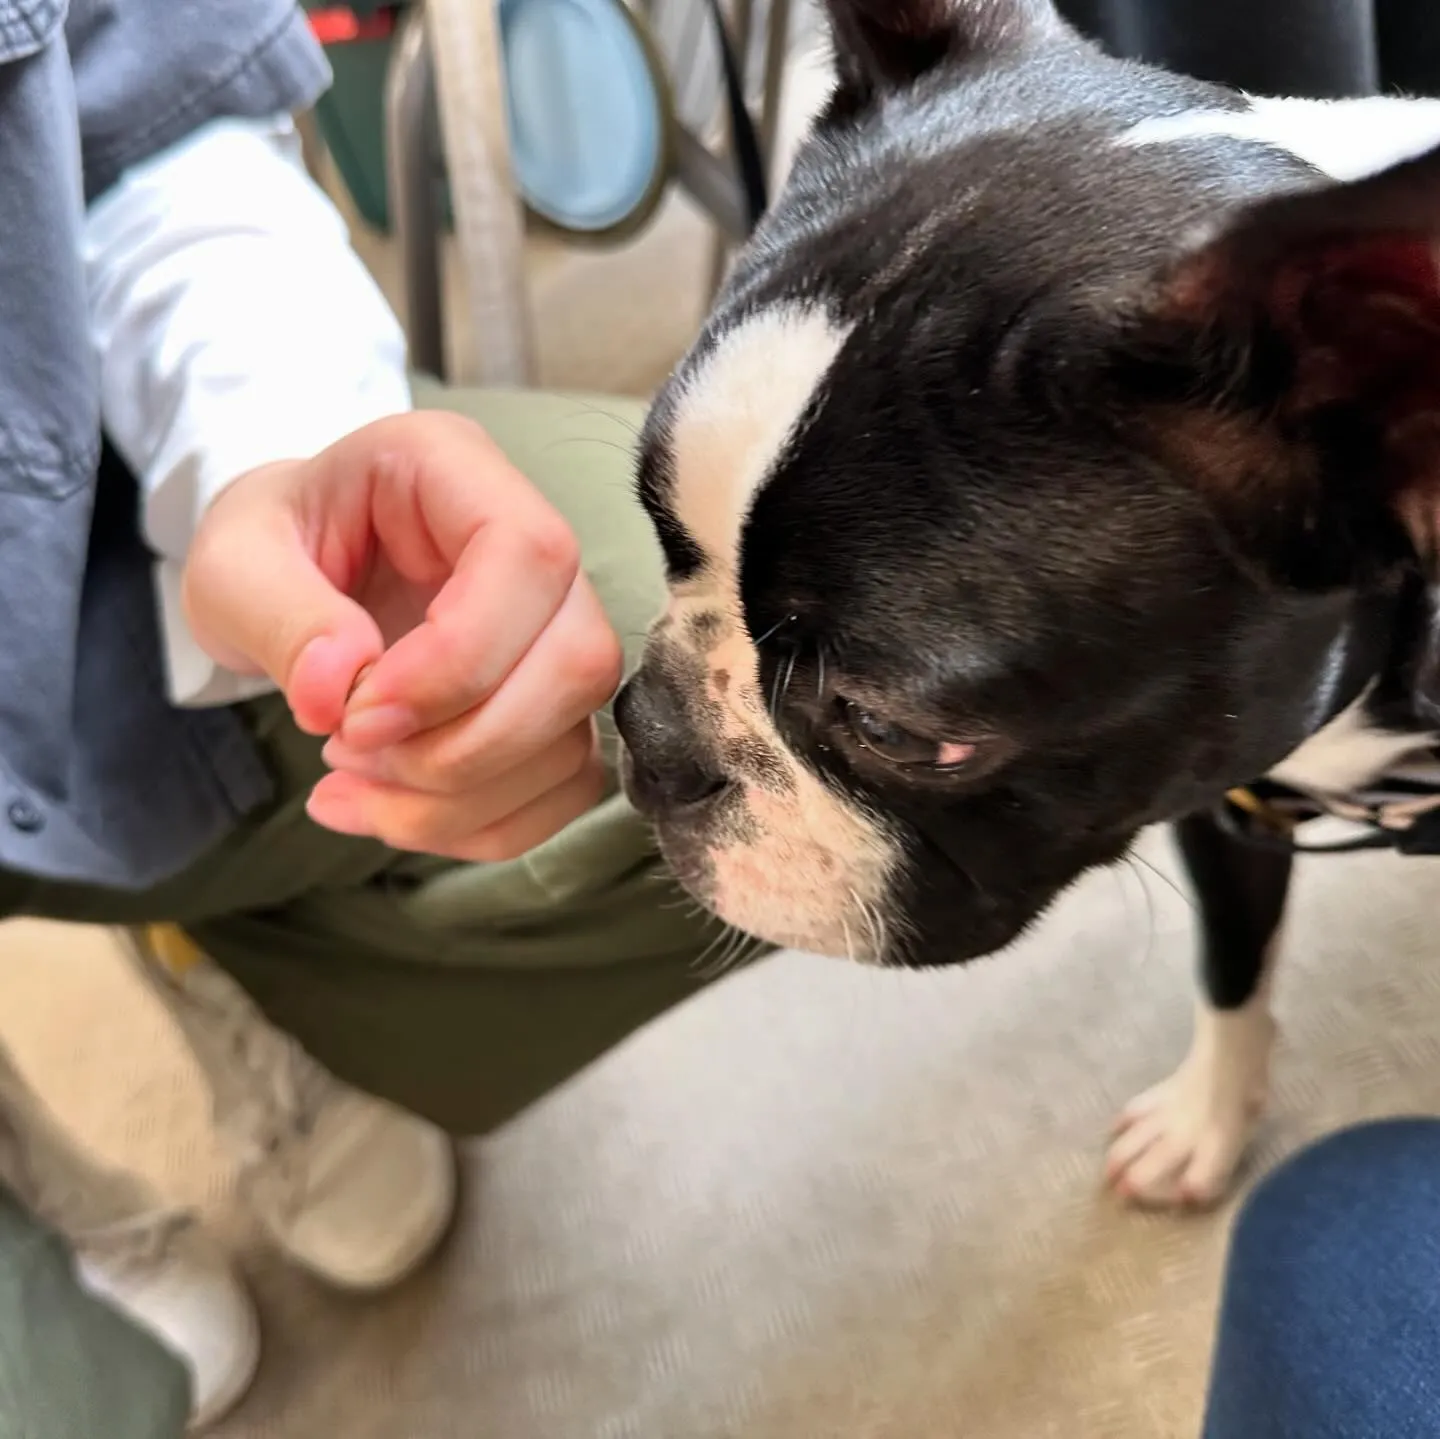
[(900, 746)]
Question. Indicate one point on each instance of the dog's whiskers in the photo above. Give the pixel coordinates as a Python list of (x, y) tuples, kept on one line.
[(876, 921), (1164, 878), (773, 630), (873, 925), (688, 907), (1150, 925), (679, 898), (702, 959), (629, 427), (1137, 863), (731, 948), (722, 951), (781, 687)]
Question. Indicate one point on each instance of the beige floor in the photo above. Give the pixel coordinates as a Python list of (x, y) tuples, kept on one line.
[(819, 1201)]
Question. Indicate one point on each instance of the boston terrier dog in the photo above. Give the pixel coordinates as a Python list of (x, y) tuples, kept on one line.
[(1062, 453)]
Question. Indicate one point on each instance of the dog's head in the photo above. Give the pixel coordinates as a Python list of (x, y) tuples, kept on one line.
[(1021, 485)]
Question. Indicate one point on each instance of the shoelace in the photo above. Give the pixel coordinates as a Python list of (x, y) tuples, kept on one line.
[(142, 1242), (267, 1094)]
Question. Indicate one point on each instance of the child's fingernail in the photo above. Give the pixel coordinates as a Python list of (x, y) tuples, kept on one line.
[(340, 756), (336, 812), (358, 682), (378, 726)]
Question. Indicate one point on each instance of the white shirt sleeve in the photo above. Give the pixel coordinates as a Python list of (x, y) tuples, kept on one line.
[(235, 326)]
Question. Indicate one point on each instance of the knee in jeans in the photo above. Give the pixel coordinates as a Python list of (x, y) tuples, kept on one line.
[(1310, 1201)]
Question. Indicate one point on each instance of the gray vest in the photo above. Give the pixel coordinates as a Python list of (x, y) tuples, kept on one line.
[(100, 779)]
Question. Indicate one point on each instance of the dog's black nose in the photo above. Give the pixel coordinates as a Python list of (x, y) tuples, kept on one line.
[(668, 768)]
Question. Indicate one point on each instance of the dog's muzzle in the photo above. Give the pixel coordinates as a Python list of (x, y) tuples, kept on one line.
[(667, 770)]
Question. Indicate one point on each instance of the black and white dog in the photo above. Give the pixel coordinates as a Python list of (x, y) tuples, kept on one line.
[(1063, 451)]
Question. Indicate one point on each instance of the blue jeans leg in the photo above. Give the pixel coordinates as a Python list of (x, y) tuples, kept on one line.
[(1330, 1323)]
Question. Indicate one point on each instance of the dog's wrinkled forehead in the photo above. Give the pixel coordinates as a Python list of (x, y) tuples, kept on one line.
[(888, 278)]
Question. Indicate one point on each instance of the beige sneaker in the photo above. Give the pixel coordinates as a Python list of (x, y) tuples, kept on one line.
[(352, 1188), (152, 1263)]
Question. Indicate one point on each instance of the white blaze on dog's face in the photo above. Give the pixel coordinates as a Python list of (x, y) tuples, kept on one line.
[(786, 856)]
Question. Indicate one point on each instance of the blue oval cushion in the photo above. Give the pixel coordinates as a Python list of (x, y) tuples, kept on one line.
[(587, 114)]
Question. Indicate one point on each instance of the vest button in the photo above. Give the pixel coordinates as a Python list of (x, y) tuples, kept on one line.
[(25, 816)]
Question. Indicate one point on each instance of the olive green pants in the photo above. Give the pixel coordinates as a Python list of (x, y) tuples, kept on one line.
[(460, 991)]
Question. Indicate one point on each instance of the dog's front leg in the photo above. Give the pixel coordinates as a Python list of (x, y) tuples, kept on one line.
[(1180, 1142)]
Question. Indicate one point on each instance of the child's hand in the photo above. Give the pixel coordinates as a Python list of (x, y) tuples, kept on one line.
[(418, 601)]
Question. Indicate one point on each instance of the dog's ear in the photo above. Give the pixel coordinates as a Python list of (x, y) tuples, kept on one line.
[(883, 45), (1294, 357)]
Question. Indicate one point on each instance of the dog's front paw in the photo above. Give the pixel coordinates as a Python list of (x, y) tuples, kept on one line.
[(1179, 1143)]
